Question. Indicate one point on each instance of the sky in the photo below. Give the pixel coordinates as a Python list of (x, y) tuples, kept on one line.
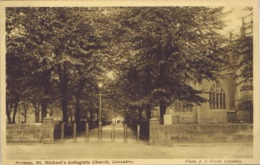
[(234, 19)]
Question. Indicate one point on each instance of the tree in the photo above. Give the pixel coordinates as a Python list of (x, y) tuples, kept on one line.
[(170, 48), (246, 105), (243, 52), (155, 53), (24, 62), (17, 75), (58, 42)]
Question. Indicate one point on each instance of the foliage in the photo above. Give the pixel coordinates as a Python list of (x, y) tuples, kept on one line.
[(57, 48), (243, 52), (166, 49), (247, 105), (156, 55)]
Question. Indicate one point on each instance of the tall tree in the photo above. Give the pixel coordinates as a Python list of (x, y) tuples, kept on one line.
[(56, 40), (170, 47), (243, 52)]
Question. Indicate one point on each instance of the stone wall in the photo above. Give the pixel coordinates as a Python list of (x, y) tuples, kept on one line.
[(169, 134), (24, 132), (33, 132)]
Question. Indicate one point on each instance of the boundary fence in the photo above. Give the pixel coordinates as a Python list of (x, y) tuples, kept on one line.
[(208, 120), (68, 128)]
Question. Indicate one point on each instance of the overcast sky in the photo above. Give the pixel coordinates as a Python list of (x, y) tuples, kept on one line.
[(234, 19)]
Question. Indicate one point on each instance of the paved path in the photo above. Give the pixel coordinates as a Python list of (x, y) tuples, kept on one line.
[(94, 150), (106, 135)]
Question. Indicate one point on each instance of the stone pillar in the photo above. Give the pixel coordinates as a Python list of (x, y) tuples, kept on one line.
[(197, 114), (74, 132), (154, 129), (125, 133), (138, 133), (113, 133), (87, 132), (48, 130)]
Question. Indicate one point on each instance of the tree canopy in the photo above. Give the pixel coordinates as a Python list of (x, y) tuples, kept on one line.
[(243, 52), (169, 49), (155, 55), (56, 47)]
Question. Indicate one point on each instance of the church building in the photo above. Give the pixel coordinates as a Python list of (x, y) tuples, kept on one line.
[(223, 95)]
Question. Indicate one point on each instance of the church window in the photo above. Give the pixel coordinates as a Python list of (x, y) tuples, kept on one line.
[(217, 97)]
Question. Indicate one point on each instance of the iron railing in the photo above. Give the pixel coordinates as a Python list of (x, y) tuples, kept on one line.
[(209, 120)]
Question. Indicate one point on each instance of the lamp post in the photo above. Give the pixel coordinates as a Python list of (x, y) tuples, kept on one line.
[(100, 86)]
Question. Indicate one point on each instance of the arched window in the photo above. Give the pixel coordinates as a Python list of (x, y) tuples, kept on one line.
[(217, 98)]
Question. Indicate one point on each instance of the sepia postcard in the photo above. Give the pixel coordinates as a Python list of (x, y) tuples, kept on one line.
[(122, 82)]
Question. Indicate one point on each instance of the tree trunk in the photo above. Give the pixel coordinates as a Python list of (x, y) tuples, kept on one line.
[(71, 118), (251, 116), (64, 110), (15, 110), (148, 112), (63, 87), (46, 89), (140, 114), (161, 83), (37, 118), (44, 108), (37, 113), (162, 75), (162, 109), (90, 119), (78, 96), (25, 109), (91, 116), (8, 114), (25, 116), (77, 114), (148, 90)]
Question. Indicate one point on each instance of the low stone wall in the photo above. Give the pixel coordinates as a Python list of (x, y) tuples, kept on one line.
[(205, 133), (24, 132), (33, 132)]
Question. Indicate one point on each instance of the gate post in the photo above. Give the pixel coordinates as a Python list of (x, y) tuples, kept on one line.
[(125, 133), (113, 133), (48, 130), (154, 131), (74, 132), (87, 132), (138, 133)]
